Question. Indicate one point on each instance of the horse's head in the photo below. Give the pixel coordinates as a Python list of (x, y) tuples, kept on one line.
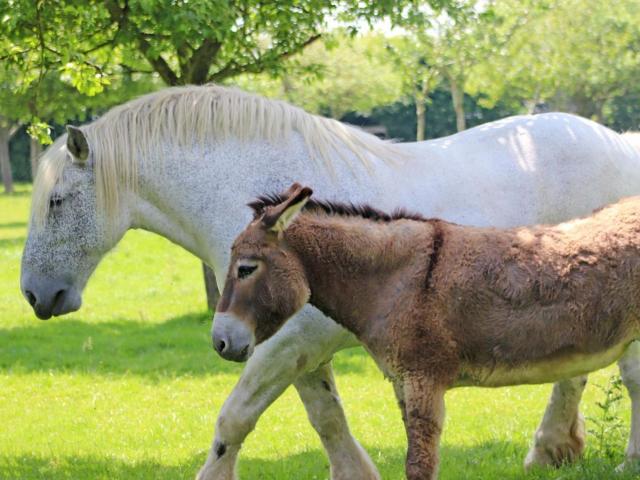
[(67, 235), (266, 282)]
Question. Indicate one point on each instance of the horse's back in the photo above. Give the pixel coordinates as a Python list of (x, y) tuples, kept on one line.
[(562, 164)]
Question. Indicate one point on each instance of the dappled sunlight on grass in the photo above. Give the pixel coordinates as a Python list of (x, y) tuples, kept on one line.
[(129, 387)]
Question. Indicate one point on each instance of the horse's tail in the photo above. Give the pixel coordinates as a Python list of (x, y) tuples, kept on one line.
[(633, 138)]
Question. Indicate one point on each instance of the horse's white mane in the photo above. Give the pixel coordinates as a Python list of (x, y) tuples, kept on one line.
[(193, 115)]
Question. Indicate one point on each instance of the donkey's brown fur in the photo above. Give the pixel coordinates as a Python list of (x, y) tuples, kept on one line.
[(440, 305)]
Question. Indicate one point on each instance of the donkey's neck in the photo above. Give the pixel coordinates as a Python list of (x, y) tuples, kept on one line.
[(358, 269)]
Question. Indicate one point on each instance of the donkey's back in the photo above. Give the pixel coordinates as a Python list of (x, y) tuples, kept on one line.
[(533, 305)]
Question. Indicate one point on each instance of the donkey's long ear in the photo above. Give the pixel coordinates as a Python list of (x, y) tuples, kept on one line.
[(77, 144), (278, 218)]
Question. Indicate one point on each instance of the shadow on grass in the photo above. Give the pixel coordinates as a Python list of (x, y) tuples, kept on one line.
[(13, 225), (87, 467), (18, 192), (179, 346), (16, 242), (487, 461), (504, 460)]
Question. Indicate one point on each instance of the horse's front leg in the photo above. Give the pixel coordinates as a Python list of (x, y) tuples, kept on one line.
[(320, 396), (560, 436), (423, 401), (303, 345), (629, 365)]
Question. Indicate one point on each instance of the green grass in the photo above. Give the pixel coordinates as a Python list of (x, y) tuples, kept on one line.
[(128, 387)]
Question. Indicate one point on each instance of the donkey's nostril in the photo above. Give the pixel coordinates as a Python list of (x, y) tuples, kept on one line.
[(220, 346), (31, 298)]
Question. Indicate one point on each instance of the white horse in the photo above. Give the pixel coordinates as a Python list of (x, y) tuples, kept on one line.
[(182, 162)]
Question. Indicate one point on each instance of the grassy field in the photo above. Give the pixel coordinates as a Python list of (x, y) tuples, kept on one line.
[(128, 387)]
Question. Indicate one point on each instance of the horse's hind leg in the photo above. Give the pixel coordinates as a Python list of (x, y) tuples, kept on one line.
[(348, 459), (560, 436), (629, 365)]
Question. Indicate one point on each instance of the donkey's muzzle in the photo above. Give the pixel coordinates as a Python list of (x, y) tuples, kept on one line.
[(231, 338)]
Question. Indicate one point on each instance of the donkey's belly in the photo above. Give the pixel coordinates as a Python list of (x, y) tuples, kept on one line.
[(542, 371)]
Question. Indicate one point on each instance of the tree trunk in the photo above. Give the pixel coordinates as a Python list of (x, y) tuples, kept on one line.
[(5, 164), (34, 156), (457, 95), (421, 119), (211, 287)]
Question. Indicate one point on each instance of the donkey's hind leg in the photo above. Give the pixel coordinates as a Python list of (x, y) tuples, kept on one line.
[(320, 396), (560, 436), (424, 416), (629, 365)]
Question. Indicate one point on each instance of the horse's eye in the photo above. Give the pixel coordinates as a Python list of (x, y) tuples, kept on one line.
[(245, 270), (55, 201)]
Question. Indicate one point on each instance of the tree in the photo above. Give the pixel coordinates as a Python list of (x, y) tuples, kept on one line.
[(11, 118), (414, 56), (575, 55), (350, 74), (7, 130), (458, 50), (55, 100), (441, 47), (181, 41)]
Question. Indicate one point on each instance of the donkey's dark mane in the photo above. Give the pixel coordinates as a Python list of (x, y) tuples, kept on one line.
[(335, 208)]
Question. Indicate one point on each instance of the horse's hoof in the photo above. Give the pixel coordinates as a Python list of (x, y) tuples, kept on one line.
[(630, 465), (556, 447), (553, 455)]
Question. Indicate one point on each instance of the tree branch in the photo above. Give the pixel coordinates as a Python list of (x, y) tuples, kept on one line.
[(119, 15), (202, 59), (15, 54), (231, 69), (99, 46)]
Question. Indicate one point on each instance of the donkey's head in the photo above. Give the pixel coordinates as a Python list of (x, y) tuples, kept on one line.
[(68, 235), (266, 283)]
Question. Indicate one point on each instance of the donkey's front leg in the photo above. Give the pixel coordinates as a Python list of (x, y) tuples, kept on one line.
[(630, 372), (560, 436), (424, 413), (348, 459)]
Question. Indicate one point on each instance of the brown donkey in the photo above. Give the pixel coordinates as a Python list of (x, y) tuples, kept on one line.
[(437, 304)]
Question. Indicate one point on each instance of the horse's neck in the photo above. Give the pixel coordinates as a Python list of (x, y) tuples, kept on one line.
[(197, 197), (353, 265)]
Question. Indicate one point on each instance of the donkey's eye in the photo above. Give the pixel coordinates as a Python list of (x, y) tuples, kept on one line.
[(55, 201), (245, 270)]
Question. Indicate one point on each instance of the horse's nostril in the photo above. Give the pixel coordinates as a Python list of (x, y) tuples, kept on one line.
[(58, 296), (31, 298), (220, 346)]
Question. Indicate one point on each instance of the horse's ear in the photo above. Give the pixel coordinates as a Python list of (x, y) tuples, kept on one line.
[(278, 218), (77, 144)]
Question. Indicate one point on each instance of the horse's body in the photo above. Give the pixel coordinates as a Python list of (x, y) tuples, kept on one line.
[(437, 304), (183, 162)]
